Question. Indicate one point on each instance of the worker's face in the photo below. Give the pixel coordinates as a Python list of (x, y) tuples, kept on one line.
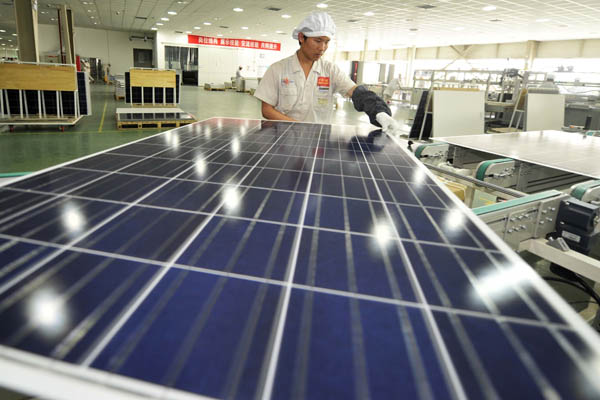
[(313, 47)]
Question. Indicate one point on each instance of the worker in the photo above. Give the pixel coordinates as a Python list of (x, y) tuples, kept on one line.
[(549, 83), (391, 88), (238, 78), (301, 87)]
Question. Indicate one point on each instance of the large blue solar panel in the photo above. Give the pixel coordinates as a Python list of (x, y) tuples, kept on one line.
[(252, 259)]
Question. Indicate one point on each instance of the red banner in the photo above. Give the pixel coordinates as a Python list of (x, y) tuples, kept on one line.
[(245, 43)]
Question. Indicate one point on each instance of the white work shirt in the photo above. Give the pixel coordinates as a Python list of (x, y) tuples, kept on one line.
[(308, 99)]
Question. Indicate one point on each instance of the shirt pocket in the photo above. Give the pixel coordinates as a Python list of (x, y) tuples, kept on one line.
[(287, 98)]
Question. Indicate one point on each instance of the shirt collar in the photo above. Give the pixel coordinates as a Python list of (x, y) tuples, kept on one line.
[(296, 67)]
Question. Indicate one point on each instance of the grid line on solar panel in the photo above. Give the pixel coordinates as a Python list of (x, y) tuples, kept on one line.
[(355, 301), (268, 221), (93, 354), (39, 264), (14, 241)]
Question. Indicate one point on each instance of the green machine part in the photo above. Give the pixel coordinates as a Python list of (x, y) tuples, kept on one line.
[(582, 188), (486, 164), (516, 202), (419, 150)]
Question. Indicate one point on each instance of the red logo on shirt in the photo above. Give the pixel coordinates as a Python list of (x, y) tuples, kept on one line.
[(323, 81), (286, 81)]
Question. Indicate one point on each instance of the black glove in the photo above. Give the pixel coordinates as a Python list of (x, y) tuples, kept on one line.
[(367, 101)]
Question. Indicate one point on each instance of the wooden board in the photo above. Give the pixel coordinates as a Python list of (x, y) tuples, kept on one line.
[(151, 78), (38, 77)]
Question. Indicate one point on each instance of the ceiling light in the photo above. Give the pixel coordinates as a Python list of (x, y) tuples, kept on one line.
[(182, 2), (2, 30), (14, 34), (197, 27), (286, 16), (412, 33), (220, 34), (89, 10), (237, 9), (44, 12), (263, 35), (543, 20), (248, 37), (159, 24), (172, 12), (95, 23), (164, 19), (244, 27), (279, 32), (188, 31), (459, 28), (154, 28), (369, 14), (207, 23), (92, 17), (322, 5), (489, 8)]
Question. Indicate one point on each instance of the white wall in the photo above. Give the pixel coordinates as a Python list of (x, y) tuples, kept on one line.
[(218, 64), (112, 47)]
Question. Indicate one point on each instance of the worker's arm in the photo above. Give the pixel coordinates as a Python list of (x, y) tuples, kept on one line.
[(269, 112)]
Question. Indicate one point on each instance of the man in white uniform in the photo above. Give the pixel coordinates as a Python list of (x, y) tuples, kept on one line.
[(301, 87)]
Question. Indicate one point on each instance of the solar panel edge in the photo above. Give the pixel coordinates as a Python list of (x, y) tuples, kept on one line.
[(561, 307)]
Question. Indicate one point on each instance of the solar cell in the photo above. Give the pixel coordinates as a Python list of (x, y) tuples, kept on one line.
[(238, 258)]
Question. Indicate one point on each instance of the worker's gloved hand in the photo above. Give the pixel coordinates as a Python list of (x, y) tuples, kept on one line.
[(388, 124), (367, 101)]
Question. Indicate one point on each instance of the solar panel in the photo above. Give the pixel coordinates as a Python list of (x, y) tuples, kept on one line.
[(83, 87), (566, 151), (238, 258)]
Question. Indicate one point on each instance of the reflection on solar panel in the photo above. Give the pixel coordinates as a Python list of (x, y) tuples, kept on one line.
[(241, 258)]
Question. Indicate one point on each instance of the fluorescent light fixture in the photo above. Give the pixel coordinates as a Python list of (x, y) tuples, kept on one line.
[(154, 28), (89, 10), (286, 16), (197, 27), (14, 34), (220, 34), (489, 8), (2, 30), (159, 24), (248, 37), (543, 20), (244, 27), (459, 28), (412, 33), (95, 23), (164, 19), (237, 9), (172, 12), (369, 14), (207, 23), (264, 35), (321, 5), (278, 31), (188, 32)]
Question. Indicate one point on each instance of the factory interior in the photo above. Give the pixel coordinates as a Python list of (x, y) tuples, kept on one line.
[(161, 237)]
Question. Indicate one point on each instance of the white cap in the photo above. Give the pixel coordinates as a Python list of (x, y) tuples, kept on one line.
[(316, 24), (550, 77)]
